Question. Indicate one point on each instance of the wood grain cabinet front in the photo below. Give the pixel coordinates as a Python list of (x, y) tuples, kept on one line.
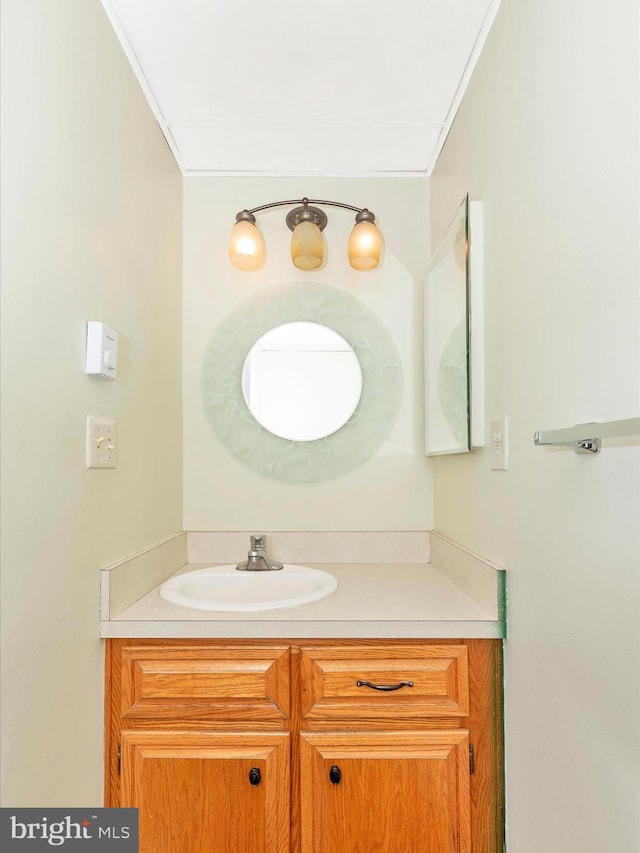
[(204, 684), (303, 747), (390, 791), (384, 682), (384, 753), (210, 791)]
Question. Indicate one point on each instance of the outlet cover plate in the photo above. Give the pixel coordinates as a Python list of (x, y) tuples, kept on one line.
[(500, 444)]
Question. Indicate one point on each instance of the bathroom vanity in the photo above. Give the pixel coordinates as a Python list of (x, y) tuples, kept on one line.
[(370, 720), (316, 747)]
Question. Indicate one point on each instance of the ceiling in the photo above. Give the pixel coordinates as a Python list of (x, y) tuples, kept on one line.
[(338, 87)]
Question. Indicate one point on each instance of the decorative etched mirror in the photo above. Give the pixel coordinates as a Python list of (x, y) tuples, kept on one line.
[(361, 340)]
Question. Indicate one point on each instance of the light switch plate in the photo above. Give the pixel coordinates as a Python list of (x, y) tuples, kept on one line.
[(102, 447), (500, 444)]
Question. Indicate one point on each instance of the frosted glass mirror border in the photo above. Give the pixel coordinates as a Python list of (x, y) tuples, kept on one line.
[(301, 461)]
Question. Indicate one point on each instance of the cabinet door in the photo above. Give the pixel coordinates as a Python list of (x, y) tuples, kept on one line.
[(388, 792), (197, 792)]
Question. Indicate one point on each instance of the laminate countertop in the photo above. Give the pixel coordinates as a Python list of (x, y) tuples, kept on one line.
[(392, 600)]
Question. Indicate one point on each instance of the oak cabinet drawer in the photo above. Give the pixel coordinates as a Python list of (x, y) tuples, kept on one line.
[(385, 681), (200, 683)]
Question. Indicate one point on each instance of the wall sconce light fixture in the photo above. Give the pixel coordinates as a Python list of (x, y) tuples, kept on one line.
[(246, 246)]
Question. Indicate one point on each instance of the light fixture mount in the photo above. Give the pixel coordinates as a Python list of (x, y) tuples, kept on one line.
[(365, 215), (245, 216), (306, 213)]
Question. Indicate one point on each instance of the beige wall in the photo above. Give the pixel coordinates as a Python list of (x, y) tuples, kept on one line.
[(91, 228), (392, 490), (547, 138)]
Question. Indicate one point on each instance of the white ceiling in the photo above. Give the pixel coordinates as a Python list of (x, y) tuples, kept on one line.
[(288, 87)]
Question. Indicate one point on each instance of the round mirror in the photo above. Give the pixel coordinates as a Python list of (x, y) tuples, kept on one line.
[(301, 381)]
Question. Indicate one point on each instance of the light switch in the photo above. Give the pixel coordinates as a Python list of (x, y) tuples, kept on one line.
[(102, 443), (500, 444), (102, 350)]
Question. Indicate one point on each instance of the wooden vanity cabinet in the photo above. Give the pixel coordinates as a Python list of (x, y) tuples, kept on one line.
[(384, 756), (306, 747), (198, 741)]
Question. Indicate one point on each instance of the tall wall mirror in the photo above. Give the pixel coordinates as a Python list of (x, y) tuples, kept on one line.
[(301, 381), (453, 337)]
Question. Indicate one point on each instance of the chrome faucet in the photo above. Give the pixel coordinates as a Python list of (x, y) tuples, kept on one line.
[(257, 558)]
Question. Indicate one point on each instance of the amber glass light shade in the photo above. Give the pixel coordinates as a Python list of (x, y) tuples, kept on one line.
[(246, 247), (365, 244), (307, 246)]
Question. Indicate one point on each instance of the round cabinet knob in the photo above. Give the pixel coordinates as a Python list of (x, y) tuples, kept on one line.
[(255, 776), (335, 775)]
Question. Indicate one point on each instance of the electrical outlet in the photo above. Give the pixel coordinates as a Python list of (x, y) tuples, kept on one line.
[(102, 446), (500, 444)]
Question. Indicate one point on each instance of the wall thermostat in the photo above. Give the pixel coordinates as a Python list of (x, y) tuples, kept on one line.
[(102, 350)]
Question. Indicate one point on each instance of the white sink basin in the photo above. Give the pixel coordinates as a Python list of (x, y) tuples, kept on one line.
[(226, 588)]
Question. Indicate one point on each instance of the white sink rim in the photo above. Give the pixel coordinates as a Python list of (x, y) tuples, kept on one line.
[(248, 592)]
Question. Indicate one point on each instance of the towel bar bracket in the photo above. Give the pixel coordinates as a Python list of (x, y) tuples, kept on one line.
[(590, 445)]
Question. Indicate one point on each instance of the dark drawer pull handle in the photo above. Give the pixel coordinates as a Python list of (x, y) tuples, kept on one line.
[(386, 687), (335, 775), (255, 776)]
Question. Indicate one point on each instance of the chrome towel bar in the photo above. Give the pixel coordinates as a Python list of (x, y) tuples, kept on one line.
[(585, 438)]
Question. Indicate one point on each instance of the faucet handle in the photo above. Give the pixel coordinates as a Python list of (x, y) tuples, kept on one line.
[(258, 541)]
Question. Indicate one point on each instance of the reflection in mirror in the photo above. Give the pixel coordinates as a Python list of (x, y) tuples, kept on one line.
[(301, 381), (447, 402), (454, 337)]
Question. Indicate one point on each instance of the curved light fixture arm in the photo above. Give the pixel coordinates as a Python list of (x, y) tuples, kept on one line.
[(302, 201), (313, 214)]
